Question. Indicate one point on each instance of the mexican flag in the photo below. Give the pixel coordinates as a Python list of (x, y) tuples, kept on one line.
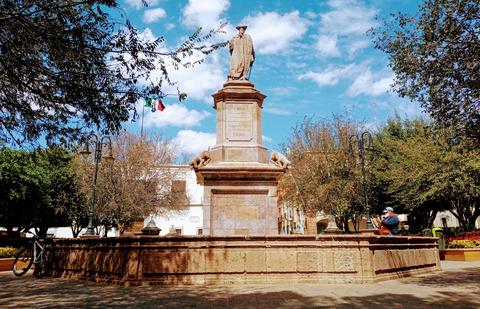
[(155, 104), (160, 105), (148, 102)]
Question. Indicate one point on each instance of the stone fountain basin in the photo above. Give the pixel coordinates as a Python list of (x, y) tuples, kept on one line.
[(283, 259)]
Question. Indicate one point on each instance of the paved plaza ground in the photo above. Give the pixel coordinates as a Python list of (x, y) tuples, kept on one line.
[(456, 286)]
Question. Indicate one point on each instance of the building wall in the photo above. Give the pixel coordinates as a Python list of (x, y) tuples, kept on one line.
[(291, 220), (446, 218), (190, 219)]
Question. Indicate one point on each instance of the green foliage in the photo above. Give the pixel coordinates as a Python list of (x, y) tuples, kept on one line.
[(35, 187), (69, 67), (420, 170), (435, 56), (8, 252)]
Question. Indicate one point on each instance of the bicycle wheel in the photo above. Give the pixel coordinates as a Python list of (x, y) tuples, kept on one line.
[(23, 262), (44, 266)]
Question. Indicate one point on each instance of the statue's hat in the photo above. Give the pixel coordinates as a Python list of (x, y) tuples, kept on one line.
[(241, 26)]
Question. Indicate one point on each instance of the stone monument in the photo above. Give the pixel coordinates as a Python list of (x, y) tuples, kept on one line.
[(240, 198), (239, 178)]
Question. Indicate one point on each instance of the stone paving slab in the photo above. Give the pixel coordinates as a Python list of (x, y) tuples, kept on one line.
[(456, 286)]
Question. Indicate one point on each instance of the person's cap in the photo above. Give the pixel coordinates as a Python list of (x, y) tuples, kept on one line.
[(241, 26), (387, 209)]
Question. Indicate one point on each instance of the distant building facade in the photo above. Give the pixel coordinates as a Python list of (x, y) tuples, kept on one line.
[(446, 219), (188, 220)]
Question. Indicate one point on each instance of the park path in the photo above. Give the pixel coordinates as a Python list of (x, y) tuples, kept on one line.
[(456, 286)]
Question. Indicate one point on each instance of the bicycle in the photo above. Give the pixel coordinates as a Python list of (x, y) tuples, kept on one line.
[(39, 254)]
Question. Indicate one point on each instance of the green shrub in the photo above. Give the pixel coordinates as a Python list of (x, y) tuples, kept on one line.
[(7, 252)]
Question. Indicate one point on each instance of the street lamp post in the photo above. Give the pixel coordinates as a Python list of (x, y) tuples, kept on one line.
[(98, 142), (364, 142)]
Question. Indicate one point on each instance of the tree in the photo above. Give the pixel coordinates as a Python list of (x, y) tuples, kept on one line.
[(34, 186), (17, 187), (68, 66), (422, 173), (435, 56), (137, 184), (324, 176)]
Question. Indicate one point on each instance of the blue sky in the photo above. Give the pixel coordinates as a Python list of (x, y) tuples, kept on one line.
[(312, 58)]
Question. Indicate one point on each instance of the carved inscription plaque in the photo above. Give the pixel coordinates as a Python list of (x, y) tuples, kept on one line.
[(238, 213), (239, 122)]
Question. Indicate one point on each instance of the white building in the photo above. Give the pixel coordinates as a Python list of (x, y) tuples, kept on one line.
[(189, 220), (446, 219)]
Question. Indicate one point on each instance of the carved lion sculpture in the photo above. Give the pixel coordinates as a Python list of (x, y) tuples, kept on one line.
[(280, 160), (200, 160)]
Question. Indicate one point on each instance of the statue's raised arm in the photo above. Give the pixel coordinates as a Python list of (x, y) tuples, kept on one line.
[(242, 55)]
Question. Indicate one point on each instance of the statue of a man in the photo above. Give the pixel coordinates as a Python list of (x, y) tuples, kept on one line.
[(242, 54)]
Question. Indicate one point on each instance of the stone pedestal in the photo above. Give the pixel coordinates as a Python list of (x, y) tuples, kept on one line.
[(240, 184), (239, 124)]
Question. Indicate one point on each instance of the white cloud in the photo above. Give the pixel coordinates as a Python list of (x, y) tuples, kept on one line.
[(267, 139), (370, 84), (363, 80), (327, 45), (193, 142), (204, 13), (137, 4), (402, 107), (330, 76), (272, 33), (199, 81), (175, 115), (347, 22), (276, 111), (347, 17), (410, 110), (169, 26), (153, 15), (355, 45)]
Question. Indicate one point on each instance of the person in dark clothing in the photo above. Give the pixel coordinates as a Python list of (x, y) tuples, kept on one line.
[(390, 223)]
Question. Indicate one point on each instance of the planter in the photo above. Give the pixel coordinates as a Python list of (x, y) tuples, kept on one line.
[(464, 255), (6, 264)]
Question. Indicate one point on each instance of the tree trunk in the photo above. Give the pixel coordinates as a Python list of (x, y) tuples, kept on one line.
[(475, 215), (465, 213), (75, 230), (346, 228)]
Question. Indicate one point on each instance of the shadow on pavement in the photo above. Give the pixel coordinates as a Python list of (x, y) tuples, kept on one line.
[(444, 300), (457, 278), (28, 292)]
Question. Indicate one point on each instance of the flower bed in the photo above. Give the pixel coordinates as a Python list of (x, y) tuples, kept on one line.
[(473, 235), (7, 257), (462, 247), (8, 252), (464, 243)]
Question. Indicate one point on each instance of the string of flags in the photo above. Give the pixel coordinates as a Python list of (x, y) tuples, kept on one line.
[(154, 104), (157, 104)]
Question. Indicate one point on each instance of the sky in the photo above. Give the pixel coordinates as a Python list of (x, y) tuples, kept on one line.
[(313, 58)]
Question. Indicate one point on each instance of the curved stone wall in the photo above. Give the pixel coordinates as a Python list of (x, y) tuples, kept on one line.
[(245, 260)]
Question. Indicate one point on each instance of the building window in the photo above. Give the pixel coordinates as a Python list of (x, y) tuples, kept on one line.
[(444, 222), (179, 188), (199, 231), (178, 231)]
